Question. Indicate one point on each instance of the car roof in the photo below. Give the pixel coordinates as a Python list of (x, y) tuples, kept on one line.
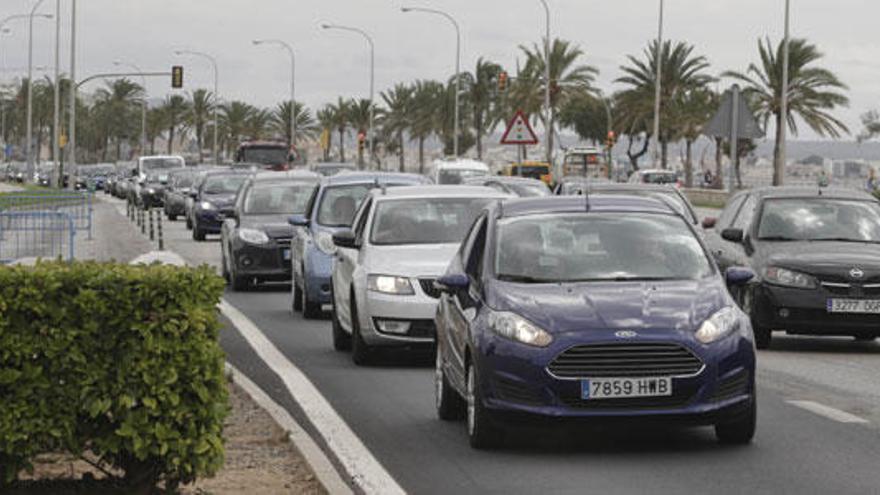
[(214, 173), (570, 179), (574, 204), (810, 192), (656, 171), (461, 164), (438, 192), (368, 177), (292, 175), (624, 187), (504, 179), (335, 165)]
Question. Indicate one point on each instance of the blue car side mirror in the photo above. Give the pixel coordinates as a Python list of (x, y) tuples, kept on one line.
[(738, 276), (453, 283), (298, 221)]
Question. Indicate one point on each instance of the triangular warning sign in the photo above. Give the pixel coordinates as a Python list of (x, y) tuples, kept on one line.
[(519, 131)]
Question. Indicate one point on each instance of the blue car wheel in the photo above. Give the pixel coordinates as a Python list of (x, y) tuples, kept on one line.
[(483, 432)]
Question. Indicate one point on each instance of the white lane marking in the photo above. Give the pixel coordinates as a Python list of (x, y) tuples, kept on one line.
[(828, 412), (318, 461), (365, 470)]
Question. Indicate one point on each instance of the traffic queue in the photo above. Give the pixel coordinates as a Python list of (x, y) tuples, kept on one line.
[(601, 301)]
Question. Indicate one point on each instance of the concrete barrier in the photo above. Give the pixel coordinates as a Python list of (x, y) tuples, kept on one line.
[(707, 198)]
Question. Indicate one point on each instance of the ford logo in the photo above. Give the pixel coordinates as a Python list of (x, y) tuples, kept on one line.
[(626, 334), (856, 273)]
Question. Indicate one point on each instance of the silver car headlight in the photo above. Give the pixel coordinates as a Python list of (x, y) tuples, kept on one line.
[(206, 205), (517, 328), (389, 284), (324, 241), (789, 278), (253, 236), (720, 325)]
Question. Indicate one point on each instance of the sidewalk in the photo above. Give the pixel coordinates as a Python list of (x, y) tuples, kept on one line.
[(114, 238)]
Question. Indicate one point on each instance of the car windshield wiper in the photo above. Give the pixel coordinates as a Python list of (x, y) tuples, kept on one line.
[(643, 279), (778, 238), (525, 279), (844, 239)]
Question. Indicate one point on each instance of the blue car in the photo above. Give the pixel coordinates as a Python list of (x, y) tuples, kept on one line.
[(330, 210), (591, 308)]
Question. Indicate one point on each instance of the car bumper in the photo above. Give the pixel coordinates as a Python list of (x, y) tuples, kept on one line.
[(517, 385), (267, 263), (211, 221), (152, 200), (318, 271), (805, 312), (382, 312), (175, 207)]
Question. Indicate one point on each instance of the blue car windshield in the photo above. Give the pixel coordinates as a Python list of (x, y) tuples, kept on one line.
[(591, 247)]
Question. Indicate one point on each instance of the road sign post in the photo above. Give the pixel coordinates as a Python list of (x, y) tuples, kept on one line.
[(734, 120)]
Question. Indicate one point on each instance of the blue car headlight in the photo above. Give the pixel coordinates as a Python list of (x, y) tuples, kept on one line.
[(720, 325), (253, 236), (206, 205), (514, 327)]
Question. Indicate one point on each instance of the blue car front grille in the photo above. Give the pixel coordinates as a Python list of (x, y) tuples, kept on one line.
[(643, 360)]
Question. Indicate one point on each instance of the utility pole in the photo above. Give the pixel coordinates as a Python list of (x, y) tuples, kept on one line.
[(658, 86), (779, 172), (30, 92)]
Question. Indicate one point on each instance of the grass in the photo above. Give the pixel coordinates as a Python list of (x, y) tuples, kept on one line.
[(36, 196)]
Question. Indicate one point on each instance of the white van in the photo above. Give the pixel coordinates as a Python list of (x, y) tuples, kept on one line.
[(451, 172)]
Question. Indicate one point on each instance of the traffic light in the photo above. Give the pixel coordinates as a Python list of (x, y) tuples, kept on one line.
[(177, 77), (612, 140), (502, 81), (362, 141)]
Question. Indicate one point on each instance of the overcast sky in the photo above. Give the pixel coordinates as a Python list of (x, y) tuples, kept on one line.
[(412, 46)]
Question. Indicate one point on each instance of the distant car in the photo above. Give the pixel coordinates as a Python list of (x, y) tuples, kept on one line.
[(267, 155), (151, 189), (576, 185), (456, 172), (190, 203), (214, 201), (515, 186), (533, 170), (180, 184), (816, 256), (561, 309), (664, 192), (331, 209), (655, 176), (255, 242), (383, 279), (331, 169)]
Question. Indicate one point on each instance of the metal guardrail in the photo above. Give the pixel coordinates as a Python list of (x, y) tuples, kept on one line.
[(78, 205), (36, 234)]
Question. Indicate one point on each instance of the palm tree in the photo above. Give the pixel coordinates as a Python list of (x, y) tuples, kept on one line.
[(201, 109), (121, 100), (156, 119), (398, 117), (483, 83), (427, 100), (258, 124), (359, 119), (813, 92), (234, 118), (305, 124), (567, 77), (682, 72), (175, 110), (326, 124), (341, 118)]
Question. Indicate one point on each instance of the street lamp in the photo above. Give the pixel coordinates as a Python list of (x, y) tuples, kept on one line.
[(372, 74), (119, 63), (292, 54), (216, 93), (457, 67), (658, 83), (30, 89), (547, 111), (779, 173)]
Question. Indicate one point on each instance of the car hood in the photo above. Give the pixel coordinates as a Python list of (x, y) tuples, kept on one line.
[(274, 226), (640, 306), (220, 200), (825, 258), (411, 260)]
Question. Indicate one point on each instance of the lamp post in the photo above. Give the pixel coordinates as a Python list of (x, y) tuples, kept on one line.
[(658, 82), (779, 173), (457, 131), (216, 93), (292, 54), (71, 144), (119, 63), (548, 113), (372, 75), (56, 102), (30, 91)]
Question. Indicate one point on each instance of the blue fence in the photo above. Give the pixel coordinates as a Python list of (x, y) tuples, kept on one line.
[(77, 205), (36, 234)]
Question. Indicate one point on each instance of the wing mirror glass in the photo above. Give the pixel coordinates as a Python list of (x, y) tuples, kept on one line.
[(298, 220), (453, 283), (345, 239), (738, 275), (733, 235)]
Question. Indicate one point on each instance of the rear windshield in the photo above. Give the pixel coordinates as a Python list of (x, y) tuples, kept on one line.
[(659, 178), (277, 200), (451, 177), (161, 163), (268, 155), (424, 221), (223, 184)]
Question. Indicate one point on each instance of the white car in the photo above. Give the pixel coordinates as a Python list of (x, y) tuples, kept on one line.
[(454, 172), (655, 176), (403, 239)]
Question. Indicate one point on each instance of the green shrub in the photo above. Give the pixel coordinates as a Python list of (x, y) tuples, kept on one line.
[(118, 362)]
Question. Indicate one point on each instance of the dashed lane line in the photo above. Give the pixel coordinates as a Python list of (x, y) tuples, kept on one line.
[(828, 412)]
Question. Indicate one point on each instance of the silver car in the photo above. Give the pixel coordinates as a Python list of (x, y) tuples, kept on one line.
[(383, 280)]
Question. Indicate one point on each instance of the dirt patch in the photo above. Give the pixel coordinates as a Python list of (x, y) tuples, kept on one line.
[(259, 460)]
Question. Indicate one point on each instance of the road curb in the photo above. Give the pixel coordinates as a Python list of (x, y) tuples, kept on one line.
[(319, 463)]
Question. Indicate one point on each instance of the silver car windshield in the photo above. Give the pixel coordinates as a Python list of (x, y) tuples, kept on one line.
[(819, 219), (598, 247), (424, 221)]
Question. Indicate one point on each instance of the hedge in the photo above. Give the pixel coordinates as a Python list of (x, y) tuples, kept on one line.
[(119, 364)]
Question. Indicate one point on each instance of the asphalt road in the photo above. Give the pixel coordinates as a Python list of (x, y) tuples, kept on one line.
[(390, 408)]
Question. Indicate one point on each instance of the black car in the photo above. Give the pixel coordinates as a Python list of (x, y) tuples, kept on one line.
[(214, 201), (151, 189), (255, 242), (180, 183), (522, 187), (815, 253)]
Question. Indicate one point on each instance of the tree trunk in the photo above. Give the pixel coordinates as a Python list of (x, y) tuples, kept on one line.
[(329, 146), (153, 145), (171, 139), (778, 166), (118, 149), (421, 155), (688, 164), (719, 165), (402, 151), (342, 145), (478, 126), (199, 132), (664, 153), (549, 137), (634, 158)]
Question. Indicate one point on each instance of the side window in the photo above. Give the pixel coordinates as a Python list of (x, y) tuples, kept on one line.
[(474, 265), (360, 224), (730, 212), (744, 218), (239, 199), (311, 205), (467, 244)]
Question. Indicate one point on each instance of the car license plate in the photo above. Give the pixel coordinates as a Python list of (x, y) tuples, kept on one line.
[(623, 388), (856, 306), (286, 254)]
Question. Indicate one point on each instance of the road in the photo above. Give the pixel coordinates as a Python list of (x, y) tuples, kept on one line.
[(819, 419)]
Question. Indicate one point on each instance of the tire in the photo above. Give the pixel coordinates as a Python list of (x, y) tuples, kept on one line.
[(297, 297), (763, 335), (483, 433), (341, 340), (450, 405), (172, 218), (311, 311), (189, 224), (238, 283), (741, 431), (361, 353), (198, 234), (223, 267)]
